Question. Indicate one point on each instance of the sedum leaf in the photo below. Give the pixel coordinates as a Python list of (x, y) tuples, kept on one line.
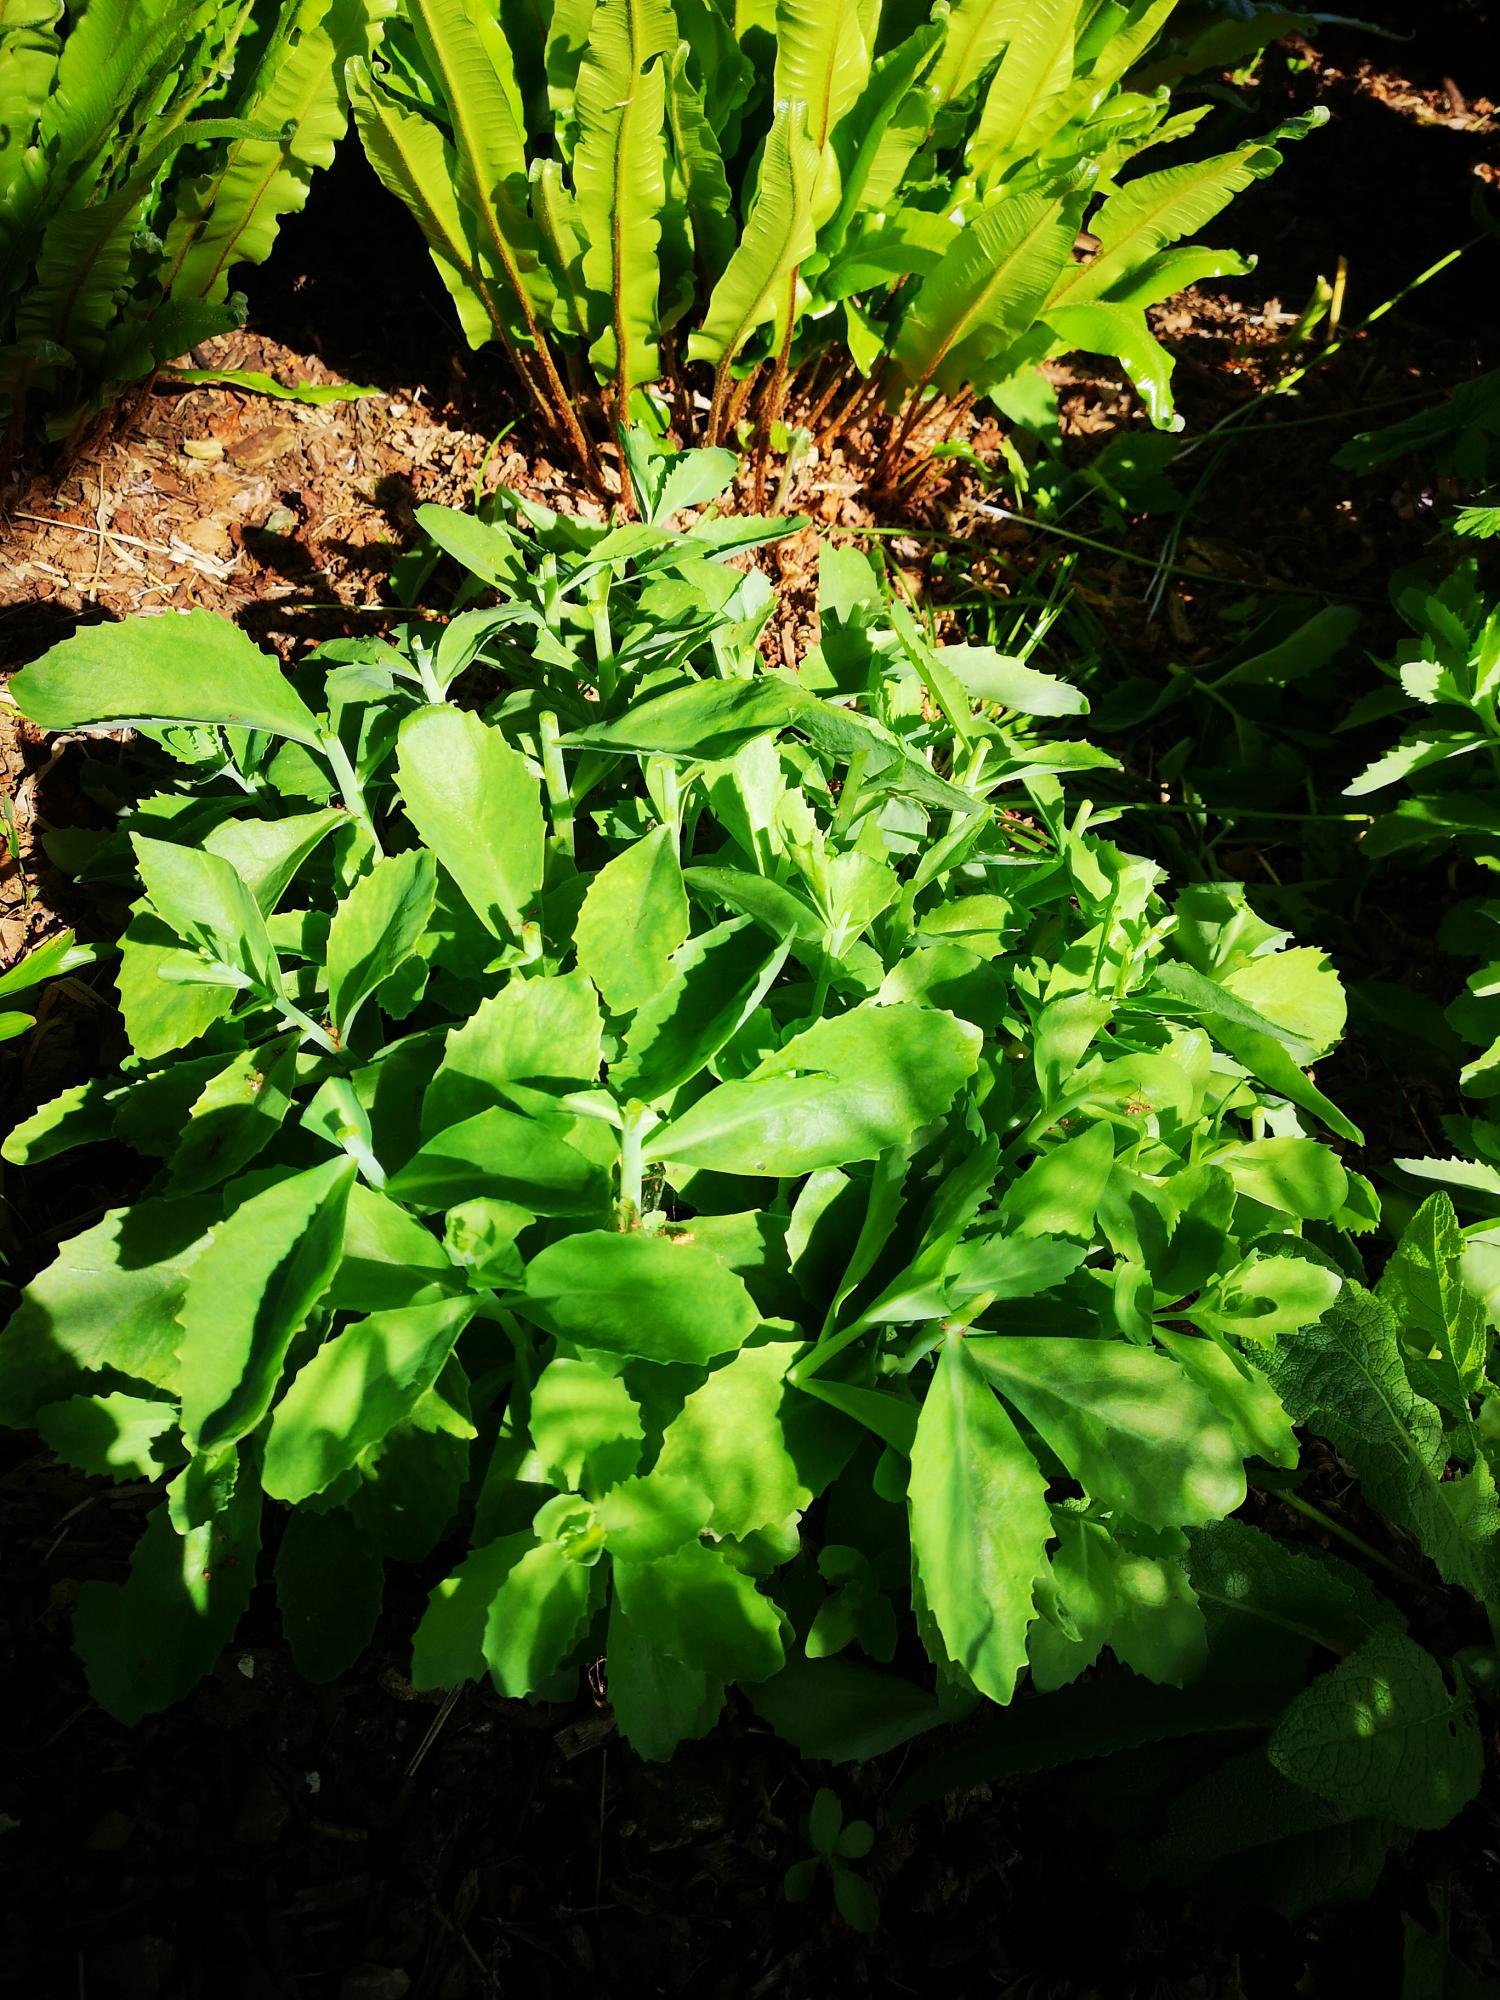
[(356, 1389), (658, 1702), (478, 807), (1440, 1319), (235, 1116), (634, 917), (729, 1443), (1132, 1428), (375, 930), (249, 1293), (979, 1522), (695, 1607), (585, 1425), (542, 1031), (844, 1090), (110, 1437), (503, 1154), (147, 1642), (187, 666), (536, 1618), (449, 1644), (330, 1582), (640, 1295), (109, 1299), (210, 908)]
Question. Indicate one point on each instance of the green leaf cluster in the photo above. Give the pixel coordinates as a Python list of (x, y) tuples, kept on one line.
[(705, 1161), (652, 181), (147, 147)]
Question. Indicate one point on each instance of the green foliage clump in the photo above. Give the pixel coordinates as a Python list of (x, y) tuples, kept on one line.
[(147, 147), (704, 1159), (777, 186)]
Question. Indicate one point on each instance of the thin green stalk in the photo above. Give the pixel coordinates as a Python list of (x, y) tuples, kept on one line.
[(1289, 382), (917, 534), (1243, 812), (1349, 1538)]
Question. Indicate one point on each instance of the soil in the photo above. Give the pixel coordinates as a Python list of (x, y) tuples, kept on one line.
[(361, 1842)]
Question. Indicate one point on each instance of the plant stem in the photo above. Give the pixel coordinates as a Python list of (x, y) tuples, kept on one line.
[(1349, 1538), (559, 797), (632, 1163), (306, 1026), (1241, 812), (350, 788)]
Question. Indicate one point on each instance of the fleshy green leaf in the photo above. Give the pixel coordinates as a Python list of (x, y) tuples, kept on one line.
[(329, 1585), (478, 807), (634, 917), (357, 1388), (109, 1299), (729, 1444), (697, 1608), (504, 1154), (842, 1091), (1130, 1426), (658, 1702), (979, 1522), (250, 1293), (536, 1617), (375, 930), (147, 1642), (185, 666), (639, 1295), (112, 1437)]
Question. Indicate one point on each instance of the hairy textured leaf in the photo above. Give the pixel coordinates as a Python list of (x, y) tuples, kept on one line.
[(1383, 1734), (1344, 1379)]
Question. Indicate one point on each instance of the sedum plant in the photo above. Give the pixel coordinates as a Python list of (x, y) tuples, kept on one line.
[(776, 189), (726, 1170), (147, 147)]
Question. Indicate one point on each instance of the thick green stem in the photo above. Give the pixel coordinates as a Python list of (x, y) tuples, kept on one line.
[(350, 788), (559, 796)]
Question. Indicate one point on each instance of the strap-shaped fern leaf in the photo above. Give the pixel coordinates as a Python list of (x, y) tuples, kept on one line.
[(823, 52), (29, 51), (986, 291), (760, 282), (977, 31), (415, 162), (698, 183), (232, 215), (1034, 72), (619, 178), (1099, 328), (1136, 265), (489, 147), (1154, 210), (890, 120)]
